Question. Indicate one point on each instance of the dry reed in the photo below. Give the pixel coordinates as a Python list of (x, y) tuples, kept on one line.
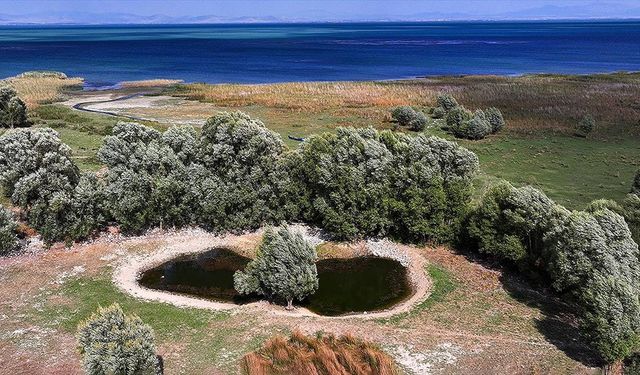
[(36, 90), (321, 355)]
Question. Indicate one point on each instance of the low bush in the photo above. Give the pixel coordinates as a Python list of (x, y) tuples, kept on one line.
[(361, 182), (419, 122), (476, 128), (38, 174), (494, 116), (446, 102), (403, 115), (438, 113), (324, 354), (111, 342), (585, 126), (8, 228), (284, 268), (458, 116)]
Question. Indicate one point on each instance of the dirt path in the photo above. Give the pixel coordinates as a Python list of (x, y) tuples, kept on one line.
[(82, 106)]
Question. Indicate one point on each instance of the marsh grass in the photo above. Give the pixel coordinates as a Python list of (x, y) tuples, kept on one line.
[(150, 83), (532, 104), (323, 354), (37, 89), (310, 96)]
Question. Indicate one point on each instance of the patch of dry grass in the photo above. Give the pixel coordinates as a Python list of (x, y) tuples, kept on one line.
[(150, 83), (325, 354), (311, 96), (42, 89)]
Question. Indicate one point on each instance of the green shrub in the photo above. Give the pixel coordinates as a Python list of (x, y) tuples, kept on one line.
[(403, 115), (446, 102), (476, 128), (494, 116), (8, 226), (585, 126), (111, 342), (593, 257), (13, 111), (510, 223), (438, 113), (458, 116), (284, 268), (419, 122)]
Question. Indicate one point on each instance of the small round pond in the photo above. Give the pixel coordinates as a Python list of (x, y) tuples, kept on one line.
[(346, 286)]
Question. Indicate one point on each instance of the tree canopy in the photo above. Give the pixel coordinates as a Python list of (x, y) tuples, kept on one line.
[(284, 268)]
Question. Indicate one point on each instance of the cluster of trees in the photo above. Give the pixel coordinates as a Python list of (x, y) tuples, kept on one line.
[(284, 268), (13, 111), (409, 117), (588, 255), (361, 182), (111, 342), (461, 122), (238, 175), (38, 174)]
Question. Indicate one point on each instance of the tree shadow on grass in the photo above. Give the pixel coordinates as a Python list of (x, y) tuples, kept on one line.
[(559, 325)]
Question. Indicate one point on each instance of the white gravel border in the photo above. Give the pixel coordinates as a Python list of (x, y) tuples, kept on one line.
[(195, 241)]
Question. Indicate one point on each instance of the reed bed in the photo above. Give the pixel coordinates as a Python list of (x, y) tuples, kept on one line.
[(531, 104), (310, 96), (320, 355), (150, 83), (37, 89)]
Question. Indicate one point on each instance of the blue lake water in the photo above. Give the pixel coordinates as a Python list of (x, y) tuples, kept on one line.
[(265, 53)]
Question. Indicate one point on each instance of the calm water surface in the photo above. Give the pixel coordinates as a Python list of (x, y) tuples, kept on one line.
[(346, 285), (263, 53)]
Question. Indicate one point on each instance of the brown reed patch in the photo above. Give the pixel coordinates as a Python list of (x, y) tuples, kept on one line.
[(42, 89), (321, 355), (150, 83), (310, 96)]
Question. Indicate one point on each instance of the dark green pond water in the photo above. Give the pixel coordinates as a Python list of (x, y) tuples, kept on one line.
[(345, 286)]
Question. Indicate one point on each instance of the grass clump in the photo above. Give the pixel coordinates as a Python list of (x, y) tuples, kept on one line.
[(324, 354)]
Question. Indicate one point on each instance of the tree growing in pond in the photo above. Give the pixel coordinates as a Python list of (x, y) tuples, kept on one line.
[(111, 342), (283, 268), (13, 111)]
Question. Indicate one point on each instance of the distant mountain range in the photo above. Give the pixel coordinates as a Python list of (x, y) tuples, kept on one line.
[(584, 11)]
